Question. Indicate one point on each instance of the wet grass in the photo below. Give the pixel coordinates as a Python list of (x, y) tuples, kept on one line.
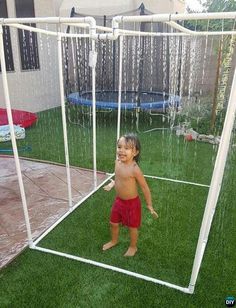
[(166, 246)]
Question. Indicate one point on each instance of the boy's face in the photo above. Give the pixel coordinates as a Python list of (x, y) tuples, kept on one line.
[(125, 151)]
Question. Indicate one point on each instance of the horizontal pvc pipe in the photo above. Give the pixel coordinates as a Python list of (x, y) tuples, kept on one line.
[(115, 31), (174, 17), (101, 28), (210, 33), (167, 179), (118, 19), (50, 20), (203, 16), (155, 34), (186, 32), (70, 211), (177, 181), (47, 32), (113, 268)]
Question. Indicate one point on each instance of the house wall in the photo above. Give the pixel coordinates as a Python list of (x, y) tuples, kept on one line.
[(162, 7), (34, 90), (97, 7), (104, 7)]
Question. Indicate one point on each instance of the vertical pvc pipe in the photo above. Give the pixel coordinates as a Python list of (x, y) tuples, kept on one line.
[(120, 86), (215, 186), (13, 139), (94, 116), (63, 113)]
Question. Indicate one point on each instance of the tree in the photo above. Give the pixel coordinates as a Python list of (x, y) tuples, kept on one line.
[(211, 6), (219, 5)]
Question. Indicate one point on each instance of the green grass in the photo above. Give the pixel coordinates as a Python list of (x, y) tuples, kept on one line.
[(166, 246), (163, 154)]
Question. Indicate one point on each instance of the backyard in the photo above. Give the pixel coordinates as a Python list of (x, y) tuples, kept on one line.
[(166, 246)]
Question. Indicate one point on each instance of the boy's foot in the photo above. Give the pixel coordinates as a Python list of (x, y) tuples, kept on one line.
[(108, 245), (131, 252)]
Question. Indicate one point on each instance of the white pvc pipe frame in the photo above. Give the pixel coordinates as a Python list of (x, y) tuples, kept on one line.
[(220, 162)]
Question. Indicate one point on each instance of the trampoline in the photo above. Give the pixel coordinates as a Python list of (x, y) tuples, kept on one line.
[(145, 100)]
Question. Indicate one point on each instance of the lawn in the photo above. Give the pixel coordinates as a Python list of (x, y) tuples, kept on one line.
[(166, 246)]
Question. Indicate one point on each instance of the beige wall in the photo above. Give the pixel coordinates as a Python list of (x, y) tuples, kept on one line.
[(34, 90), (162, 7), (104, 7), (97, 7)]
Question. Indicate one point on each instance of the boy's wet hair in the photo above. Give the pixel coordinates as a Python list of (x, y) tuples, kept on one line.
[(133, 141)]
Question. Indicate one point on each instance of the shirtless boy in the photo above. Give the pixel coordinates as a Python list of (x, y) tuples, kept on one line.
[(127, 205)]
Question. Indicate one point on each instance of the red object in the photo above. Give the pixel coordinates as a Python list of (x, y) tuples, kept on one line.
[(20, 117), (188, 137)]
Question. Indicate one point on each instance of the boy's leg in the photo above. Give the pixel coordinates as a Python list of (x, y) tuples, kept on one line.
[(114, 236), (133, 242)]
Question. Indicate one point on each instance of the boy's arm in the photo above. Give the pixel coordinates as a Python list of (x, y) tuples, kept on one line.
[(109, 186), (145, 189)]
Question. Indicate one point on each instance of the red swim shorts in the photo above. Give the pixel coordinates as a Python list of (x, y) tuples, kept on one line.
[(127, 212)]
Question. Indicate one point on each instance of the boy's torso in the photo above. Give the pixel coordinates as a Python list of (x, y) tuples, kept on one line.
[(125, 182)]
